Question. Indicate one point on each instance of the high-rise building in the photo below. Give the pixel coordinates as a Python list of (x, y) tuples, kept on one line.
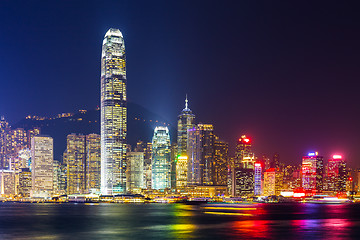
[(273, 180), (4, 127), (7, 182), (336, 174), (201, 155), (257, 178), (134, 171), (173, 159), (25, 182), (93, 163), (186, 121), (244, 181), (42, 158), (243, 168), (161, 164), (220, 166), (275, 163), (75, 159), (113, 113), (312, 172), (181, 171), (244, 158), (146, 148)]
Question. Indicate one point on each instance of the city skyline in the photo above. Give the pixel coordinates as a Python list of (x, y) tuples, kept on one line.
[(291, 98)]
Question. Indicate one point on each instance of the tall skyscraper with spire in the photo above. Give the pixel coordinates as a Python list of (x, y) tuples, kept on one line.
[(113, 113), (186, 121)]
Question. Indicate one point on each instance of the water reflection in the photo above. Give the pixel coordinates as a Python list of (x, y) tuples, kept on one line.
[(177, 221)]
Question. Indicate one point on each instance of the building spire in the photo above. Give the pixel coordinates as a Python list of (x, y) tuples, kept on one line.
[(186, 102)]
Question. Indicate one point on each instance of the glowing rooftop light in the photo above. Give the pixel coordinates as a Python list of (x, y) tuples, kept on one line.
[(257, 164), (337, 156)]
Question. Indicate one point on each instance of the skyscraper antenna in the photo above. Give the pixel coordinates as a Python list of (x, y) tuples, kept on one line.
[(186, 102)]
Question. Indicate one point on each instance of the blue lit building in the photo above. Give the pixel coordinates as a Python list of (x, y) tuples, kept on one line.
[(257, 179), (161, 161)]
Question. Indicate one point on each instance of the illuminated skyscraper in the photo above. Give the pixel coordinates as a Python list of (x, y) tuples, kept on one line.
[(75, 159), (220, 166), (24, 182), (7, 182), (146, 148), (257, 178), (161, 164), (312, 172), (244, 158), (186, 121), (93, 162), (4, 127), (42, 158), (201, 154), (337, 174), (243, 172), (134, 171), (113, 113)]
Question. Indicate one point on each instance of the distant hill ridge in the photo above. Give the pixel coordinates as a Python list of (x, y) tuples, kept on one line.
[(141, 124)]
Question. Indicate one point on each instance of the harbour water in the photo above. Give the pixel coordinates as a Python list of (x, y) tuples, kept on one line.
[(178, 221)]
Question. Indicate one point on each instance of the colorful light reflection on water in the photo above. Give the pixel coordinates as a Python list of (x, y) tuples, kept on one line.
[(178, 221)]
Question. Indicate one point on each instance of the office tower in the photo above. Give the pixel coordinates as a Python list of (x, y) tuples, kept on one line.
[(231, 177), (267, 162), (186, 121), (32, 133), (269, 182), (113, 113), (42, 166), (276, 161), (220, 166), (4, 127), (134, 171), (257, 178), (24, 182), (273, 181), (312, 172), (173, 159), (244, 158), (243, 176), (25, 157), (201, 154), (75, 160), (146, 148), (336, 174), (16, 139), (58, 187), (244, 182), (181, 171), (7, 182), (93, 163), (161, 165), (292, 178)]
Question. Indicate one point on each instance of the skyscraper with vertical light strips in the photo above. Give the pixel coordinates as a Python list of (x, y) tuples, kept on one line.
[(113, 113)]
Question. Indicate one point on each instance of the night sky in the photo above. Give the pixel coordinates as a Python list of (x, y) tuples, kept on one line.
[(285, 74)]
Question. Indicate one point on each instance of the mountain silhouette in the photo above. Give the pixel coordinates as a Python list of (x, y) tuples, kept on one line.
[(141, 124)]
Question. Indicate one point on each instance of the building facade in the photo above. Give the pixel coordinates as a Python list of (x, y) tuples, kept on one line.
[(186, 121), (113, 113), (220, 166), (75, 160), (93, 163), (161, 162), (312, 172), (135, 171), (42, 158), (201, 155)]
